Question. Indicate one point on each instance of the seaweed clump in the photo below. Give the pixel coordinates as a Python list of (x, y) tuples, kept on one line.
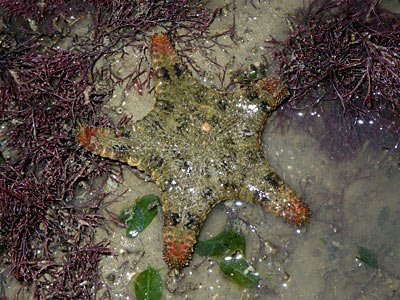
[(46, 227), (342, 60), (42, 226)]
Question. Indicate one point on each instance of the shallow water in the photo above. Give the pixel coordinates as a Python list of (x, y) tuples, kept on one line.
[(355, 201)]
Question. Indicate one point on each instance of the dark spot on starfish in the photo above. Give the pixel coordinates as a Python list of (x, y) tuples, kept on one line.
[(225, 165), (214, 120), (125, 134), (252, 95), (187, 167), (167, 106), (227, 161), (208, 192), (230, 185), (183, 124), (156, 161), (199, 97), (177, 154), (264, 105), (260, 197), (222, 105), (163, 73), (192, 222), (154, 125), (178, 69), (229, 141), (273, 180), (120, 148), (171, 219), (246, 132)]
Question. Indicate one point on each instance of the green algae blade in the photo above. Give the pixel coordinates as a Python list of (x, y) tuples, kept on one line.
[(368, 257), (226, 243), (148, 285), (138, 216), (238, 270)]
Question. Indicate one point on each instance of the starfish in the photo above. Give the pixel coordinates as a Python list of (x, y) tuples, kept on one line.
[(201, 147)]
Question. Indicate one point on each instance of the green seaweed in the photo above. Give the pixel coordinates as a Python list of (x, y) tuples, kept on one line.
[(226, 243), (138, 216), (148, 285), (237, 269), (368, 257)]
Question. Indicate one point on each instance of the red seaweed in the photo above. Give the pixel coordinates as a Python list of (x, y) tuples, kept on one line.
[(42, 101), (342, 60)]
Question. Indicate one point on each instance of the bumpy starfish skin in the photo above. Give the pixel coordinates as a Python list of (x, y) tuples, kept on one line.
[(201, 147)]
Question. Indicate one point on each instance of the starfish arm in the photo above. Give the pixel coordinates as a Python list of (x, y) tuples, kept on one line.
[(175, 81), (190, 189), (263, 186), (268, 93), (131, 147), (182, 224)]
